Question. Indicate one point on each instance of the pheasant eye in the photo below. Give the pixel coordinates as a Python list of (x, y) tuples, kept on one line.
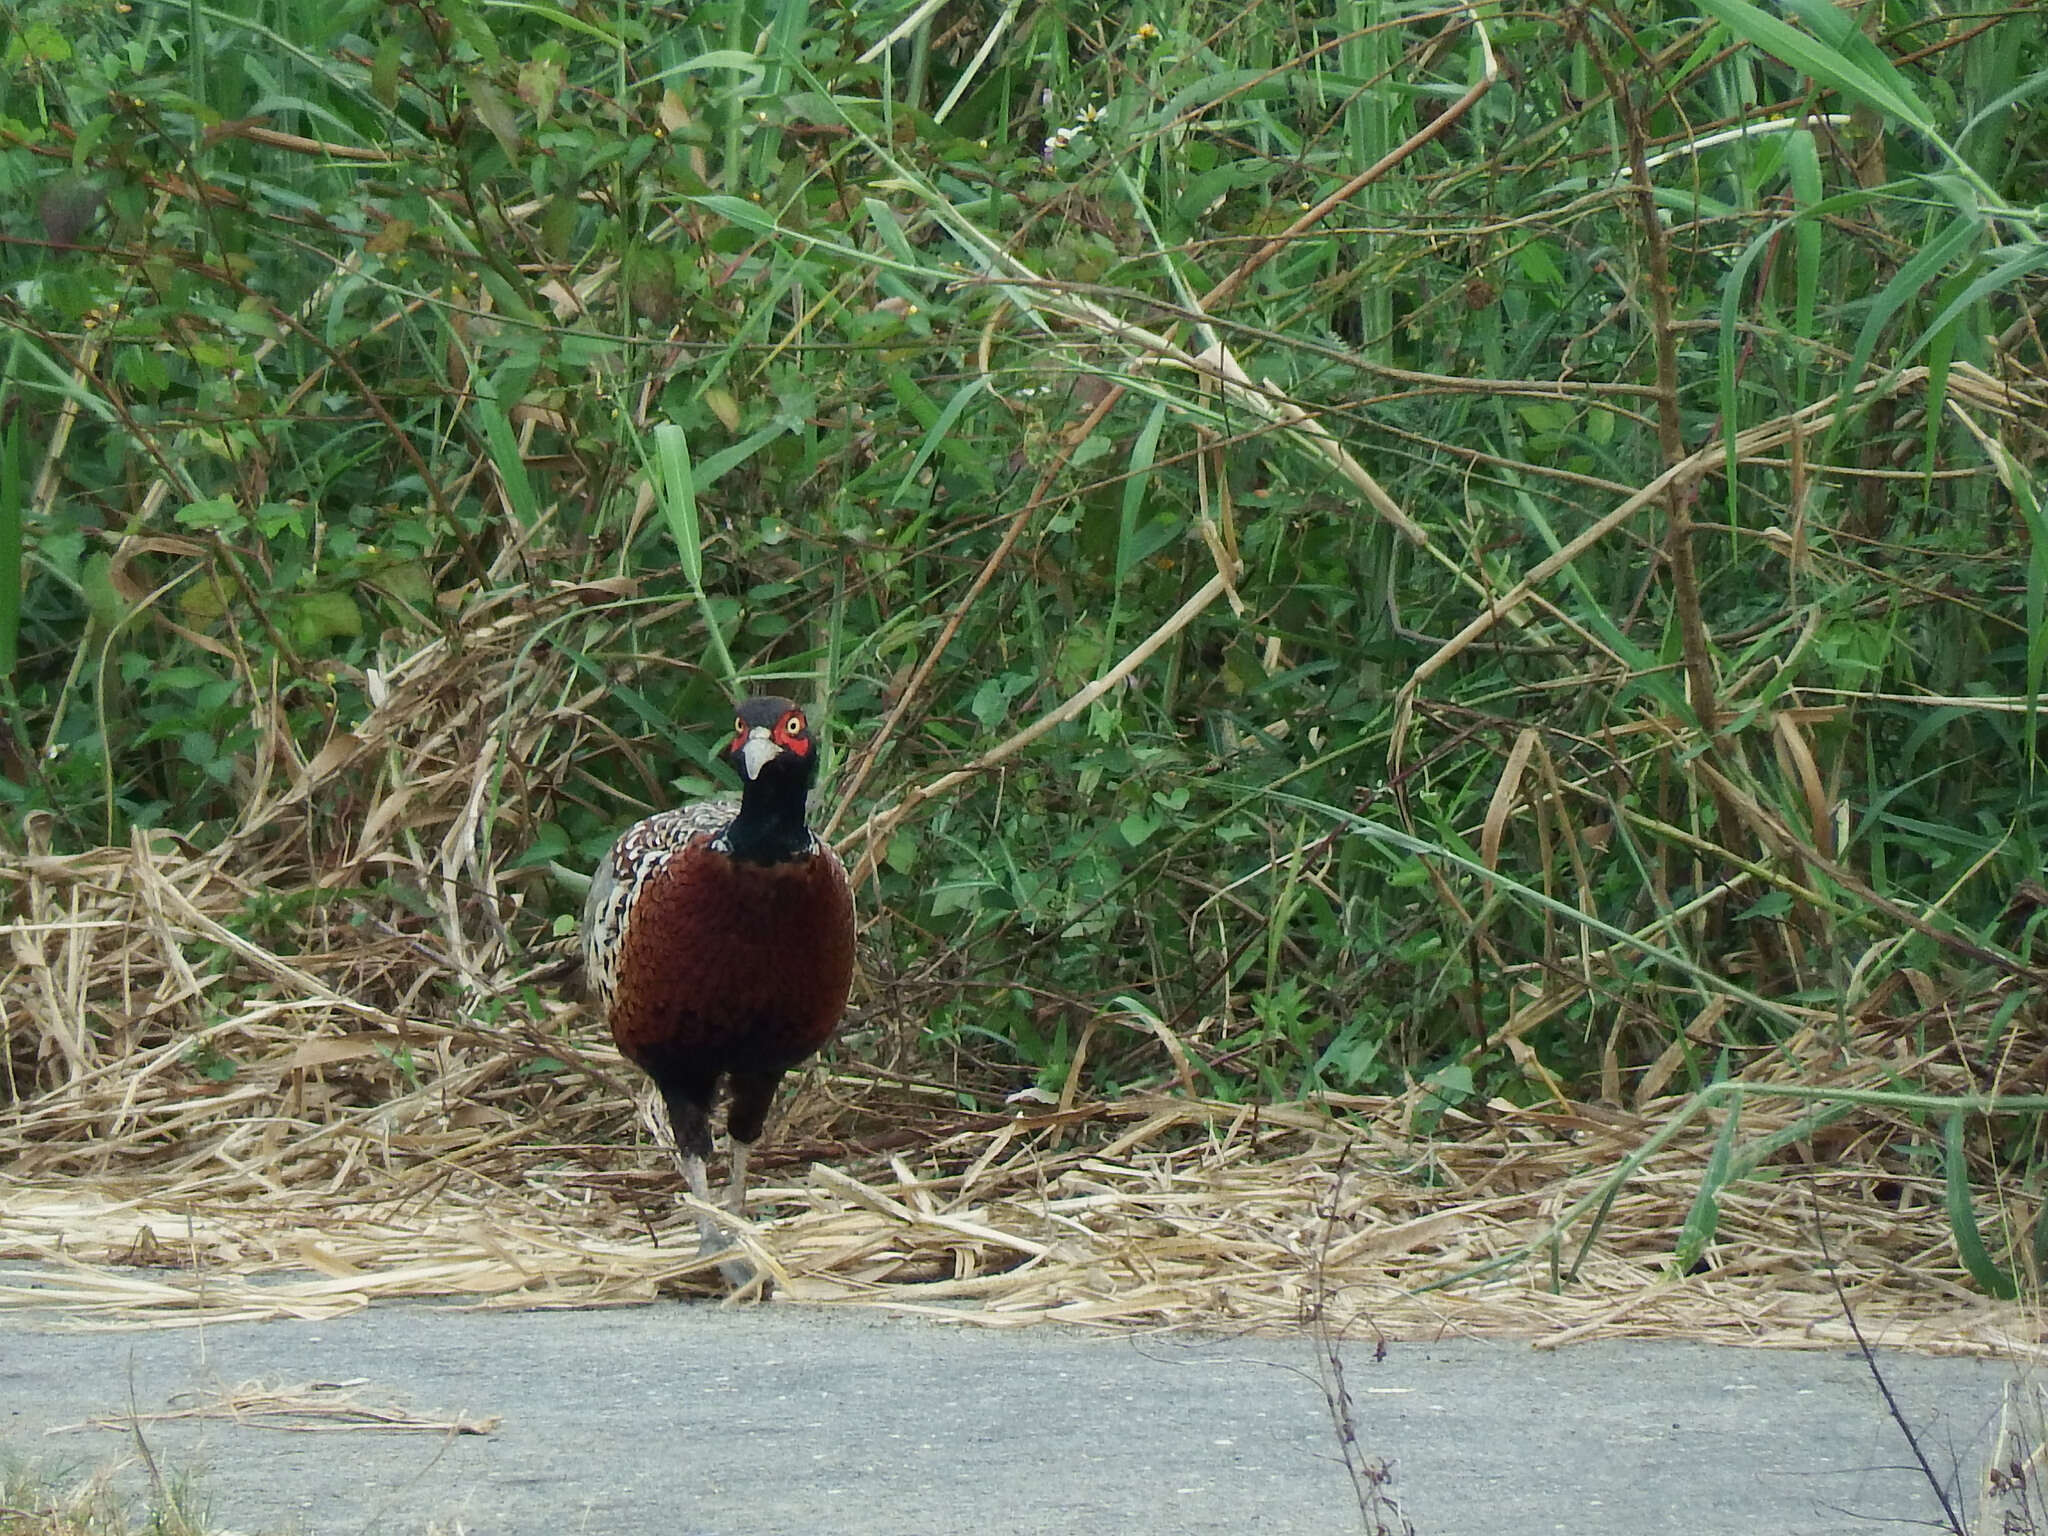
[(793, 726), (739, 726)]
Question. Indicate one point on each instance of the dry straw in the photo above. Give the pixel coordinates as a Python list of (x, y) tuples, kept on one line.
[(360, 1150)]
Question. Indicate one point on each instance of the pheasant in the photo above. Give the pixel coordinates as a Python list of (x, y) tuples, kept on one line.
[(718, 940)]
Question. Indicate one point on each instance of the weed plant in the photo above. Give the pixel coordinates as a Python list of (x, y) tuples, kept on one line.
[(1569, 477)]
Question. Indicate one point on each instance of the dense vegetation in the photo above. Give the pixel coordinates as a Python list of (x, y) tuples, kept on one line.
[(1596, 445)]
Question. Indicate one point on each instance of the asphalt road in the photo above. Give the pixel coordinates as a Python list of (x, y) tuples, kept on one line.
[(695, 1420)]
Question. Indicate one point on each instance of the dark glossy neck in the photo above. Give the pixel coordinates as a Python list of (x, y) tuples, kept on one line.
[(770, 826)]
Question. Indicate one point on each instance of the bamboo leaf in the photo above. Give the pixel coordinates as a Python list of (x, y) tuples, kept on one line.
[(1823, 60), (677, 487), (1840, 31), (506, 459)]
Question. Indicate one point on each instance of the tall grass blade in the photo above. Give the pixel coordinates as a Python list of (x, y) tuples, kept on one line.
[(1132, 508), (13, 489), (1878, 86), (502, 443), (2013, 265), (1802, 167), (1962, 1215), (936, 435), (676, 489), (1953, 244), (1705, 1214)]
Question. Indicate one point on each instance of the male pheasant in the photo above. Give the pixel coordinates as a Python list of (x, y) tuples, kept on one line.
[(718, 939)]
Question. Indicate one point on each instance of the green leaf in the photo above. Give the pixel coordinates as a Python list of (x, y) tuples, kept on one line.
[(1830, 65), (163, 678), (1143, 452), (506, 459), (715, 466), (2014, 263), (384, 70), (1842, 31), (1450, 1086), (991, 702), (739, 211), (102, 597), (549, 842), (497, 115), (936, 435), (472, 29), (678, 490), (2019, 484), (747, 65), (886, 224), (11, 487), (1705, 1214), (1928, 263), (215, 512), (675, 486), (1962, 1216), (275, 517), (319, 617), (1802, 165), (1136, 827), (1538, 261), (1772, 904), (41, 41)]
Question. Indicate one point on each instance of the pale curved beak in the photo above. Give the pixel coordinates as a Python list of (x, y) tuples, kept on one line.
[(759, 751)]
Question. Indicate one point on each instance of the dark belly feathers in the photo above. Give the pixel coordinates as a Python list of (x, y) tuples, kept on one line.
[(722, 966)]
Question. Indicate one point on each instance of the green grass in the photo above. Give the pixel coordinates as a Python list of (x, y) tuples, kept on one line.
[(37, 1499)]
